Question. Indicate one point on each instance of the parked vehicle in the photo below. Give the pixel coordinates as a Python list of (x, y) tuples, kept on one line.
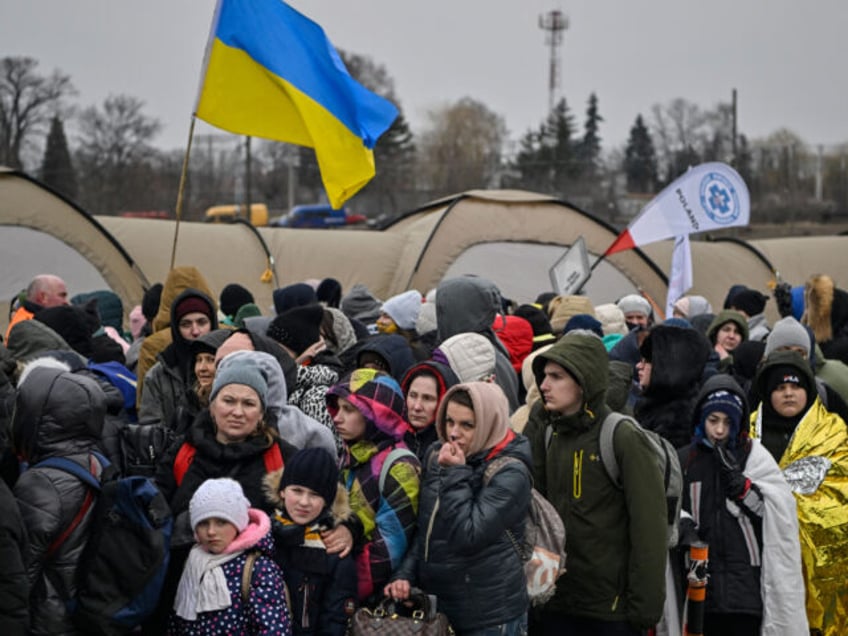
[(229, 213), (318, 216)]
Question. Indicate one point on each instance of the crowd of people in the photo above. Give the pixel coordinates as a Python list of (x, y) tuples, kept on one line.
[(337, 449)]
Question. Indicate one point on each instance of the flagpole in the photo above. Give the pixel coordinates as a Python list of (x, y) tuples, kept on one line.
[(180, 190)]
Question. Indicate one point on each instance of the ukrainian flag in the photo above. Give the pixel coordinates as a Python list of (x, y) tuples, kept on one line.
[(271, 72)]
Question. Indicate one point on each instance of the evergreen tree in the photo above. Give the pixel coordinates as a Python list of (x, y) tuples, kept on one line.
[(640, 159), (56, 168), (558, 148), (590, 146)]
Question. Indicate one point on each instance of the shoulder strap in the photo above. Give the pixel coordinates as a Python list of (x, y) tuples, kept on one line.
[(68, 466), (88, 478), (182, 461), (607, 447), (273, 458), (394, 455), (495, 465), (247, 574)]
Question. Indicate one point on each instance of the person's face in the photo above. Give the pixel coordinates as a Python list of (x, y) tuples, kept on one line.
[(385, 324), (636, 318), (560, 391), (349, 422), (54, 294), (796, 348), (303, 504), (643, 372), (214, 534), (422, 400), (239, 341), (204, 369), (237, 412), (717, 427), (788, 399), (193, 325), (459, 425), (728, 336)]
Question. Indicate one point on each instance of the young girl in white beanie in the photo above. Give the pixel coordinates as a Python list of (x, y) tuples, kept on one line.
[(230, 583)]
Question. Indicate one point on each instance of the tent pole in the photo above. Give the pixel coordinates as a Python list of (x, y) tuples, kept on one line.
[(179, 209)]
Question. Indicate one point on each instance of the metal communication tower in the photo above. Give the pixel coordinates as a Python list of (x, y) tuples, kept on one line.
[(554, 22)]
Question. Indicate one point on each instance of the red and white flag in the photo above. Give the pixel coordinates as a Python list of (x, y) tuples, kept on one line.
[(711, 196)]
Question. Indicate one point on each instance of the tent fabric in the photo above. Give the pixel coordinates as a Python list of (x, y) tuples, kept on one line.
[(25, 203), (509, 236)]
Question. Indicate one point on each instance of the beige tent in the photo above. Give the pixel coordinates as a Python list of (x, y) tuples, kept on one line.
[(511, 237)]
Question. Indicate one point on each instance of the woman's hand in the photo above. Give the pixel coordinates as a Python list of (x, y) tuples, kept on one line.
[(312, 350), (397, 590), (339, 541), (451, 455)]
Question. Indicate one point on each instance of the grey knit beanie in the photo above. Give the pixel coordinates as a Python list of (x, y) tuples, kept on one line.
[(239, 370), (788, 332)]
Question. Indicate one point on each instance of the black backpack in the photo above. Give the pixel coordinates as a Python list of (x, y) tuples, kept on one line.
[(123, 566)]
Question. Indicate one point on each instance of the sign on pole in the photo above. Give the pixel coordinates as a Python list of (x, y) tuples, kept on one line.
[(571, 270)]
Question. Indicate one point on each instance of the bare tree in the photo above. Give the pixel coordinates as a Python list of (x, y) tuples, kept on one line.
[(115, 155), (461, 149), (28, 101)]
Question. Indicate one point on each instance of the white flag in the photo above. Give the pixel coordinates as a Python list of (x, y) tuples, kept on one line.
[(711, 196), (680, 279)]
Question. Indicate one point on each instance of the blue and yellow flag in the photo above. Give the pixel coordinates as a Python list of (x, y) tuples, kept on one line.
[(271, 72)]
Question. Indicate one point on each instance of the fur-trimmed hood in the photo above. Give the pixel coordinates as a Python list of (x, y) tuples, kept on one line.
[(340, 509), (826, 308)]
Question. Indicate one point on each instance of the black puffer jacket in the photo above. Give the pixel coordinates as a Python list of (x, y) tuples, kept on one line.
[(462, 552), (678, 356), (57, 414), (14, 584)]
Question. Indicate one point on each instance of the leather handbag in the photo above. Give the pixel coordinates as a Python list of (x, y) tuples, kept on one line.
[(391, 618)]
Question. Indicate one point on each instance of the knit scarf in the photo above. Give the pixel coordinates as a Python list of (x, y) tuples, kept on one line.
[(203, 584)]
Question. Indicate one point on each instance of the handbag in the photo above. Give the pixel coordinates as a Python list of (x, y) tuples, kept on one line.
[(391, 618)]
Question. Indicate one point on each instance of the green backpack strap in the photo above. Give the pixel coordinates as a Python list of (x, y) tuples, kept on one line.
[(391, 458), (607, 446)]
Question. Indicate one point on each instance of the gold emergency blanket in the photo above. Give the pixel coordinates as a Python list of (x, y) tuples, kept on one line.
[(817, 461)]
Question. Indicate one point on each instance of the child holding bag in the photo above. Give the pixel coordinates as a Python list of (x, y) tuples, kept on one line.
[(230, 583)]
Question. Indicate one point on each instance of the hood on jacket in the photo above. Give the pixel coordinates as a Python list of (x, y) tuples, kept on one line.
[(516, 334), (491, 415), (179, 280), (468, 303), (826, 308), (28, 339), (725, 316), (393, 349), (724, 382), (344, 337), (377, 396), (56, 412), (585, 359), (192, 293), (360, 304), (784, 358), (444, 375), (528, 377), (678, 356), (471, 356)]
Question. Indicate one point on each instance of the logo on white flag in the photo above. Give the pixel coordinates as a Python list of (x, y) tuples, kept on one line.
[(719, 198)]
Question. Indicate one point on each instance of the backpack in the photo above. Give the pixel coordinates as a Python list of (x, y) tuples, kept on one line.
[(121, 378), (142, 447), (543, 548), (666, 458), (123, 565), (272, 457)]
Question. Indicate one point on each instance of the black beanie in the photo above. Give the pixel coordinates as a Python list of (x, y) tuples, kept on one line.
[(786, 374), (329, 292), (150, 302), (750, 301), (298, 328), (538, 319), (233, 296), (70, 322), (313, 468)]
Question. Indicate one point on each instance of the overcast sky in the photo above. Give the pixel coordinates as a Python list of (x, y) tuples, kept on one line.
[(786, 58)]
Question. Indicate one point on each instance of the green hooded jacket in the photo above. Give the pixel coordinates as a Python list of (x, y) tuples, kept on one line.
[(615, 538)]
